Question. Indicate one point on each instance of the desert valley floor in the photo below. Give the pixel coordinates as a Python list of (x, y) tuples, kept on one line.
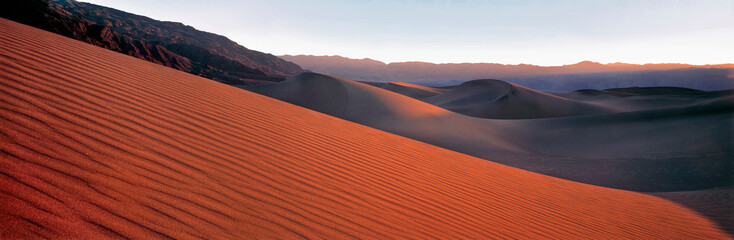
[(96, 144)]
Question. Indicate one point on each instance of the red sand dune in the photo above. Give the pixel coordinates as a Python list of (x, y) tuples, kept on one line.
[(98, 144)]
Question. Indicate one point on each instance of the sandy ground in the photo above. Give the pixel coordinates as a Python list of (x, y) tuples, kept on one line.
[(96, 144)]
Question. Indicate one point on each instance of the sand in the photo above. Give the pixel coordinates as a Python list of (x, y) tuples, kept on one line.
[(95, 144), (666, 148)]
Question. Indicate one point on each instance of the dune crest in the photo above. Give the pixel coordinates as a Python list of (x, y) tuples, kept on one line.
[(344, 98), (95, 144), (412, 90)]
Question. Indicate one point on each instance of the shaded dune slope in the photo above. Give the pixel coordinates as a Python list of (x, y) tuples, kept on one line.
[(674, 149), (718, 204), (97, 144), (502, 100)]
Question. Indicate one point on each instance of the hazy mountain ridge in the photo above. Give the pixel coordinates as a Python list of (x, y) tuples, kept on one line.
[(582, 75)]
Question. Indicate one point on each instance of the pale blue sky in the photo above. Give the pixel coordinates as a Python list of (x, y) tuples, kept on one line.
[(499, 31)]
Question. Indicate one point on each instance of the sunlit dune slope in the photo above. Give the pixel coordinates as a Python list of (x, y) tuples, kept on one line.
[(412, 90), (97, 144)]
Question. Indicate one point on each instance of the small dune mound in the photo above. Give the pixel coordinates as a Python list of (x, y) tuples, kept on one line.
[(584, 94), (655, 91), (646, 98), (502, 100), (309, 90), (591, 94)]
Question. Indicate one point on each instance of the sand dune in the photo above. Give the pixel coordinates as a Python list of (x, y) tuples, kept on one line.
[(391, 112), (343, 97), (96, 144), (630, 150), (681, 141), (502, 100)]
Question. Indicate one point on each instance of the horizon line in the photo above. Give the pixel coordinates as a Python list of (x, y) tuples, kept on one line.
[(511, 64)]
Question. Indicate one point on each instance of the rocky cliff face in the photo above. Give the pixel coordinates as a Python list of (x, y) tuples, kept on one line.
[(186, 54), (168, 33)]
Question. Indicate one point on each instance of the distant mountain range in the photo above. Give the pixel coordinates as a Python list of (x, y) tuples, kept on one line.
[(216, 57), (583, 75), (167, 43)]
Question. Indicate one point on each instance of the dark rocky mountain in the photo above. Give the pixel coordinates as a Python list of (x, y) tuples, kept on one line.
[(182, 39), (583, 75), (191, 58), (50, 17)]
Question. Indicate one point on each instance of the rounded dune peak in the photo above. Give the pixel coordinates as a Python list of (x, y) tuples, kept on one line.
[(480, 82), (344, 98), (305, 76), (496, 99), (491, 87)]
